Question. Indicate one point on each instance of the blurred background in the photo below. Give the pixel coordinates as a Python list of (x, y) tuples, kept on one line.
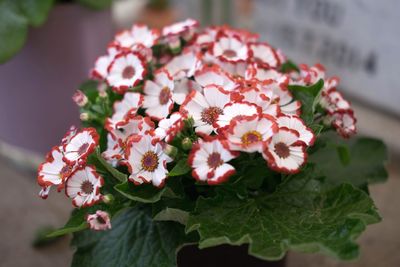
[(356, 40)]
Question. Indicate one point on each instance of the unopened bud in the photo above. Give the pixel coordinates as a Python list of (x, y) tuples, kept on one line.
[(80, 98), (84, 116), (170, 150), (102, 89), (187, 143), (108, 199)]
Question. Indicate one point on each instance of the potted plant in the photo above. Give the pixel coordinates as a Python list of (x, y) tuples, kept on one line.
[(211, 139), (67, 36)]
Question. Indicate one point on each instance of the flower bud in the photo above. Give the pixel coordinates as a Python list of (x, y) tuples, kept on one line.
[(108, 199), (170, 150), (187, 143), (84, 116), (102, 89), (80, 98)]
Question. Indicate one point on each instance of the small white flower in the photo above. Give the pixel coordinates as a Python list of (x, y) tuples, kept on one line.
[(249, 134), (333, 101), (83, 186), (139, 34), (184, 28), (209, 158), (99, 221), (233, 110), (80, 146), (344, 122), (125, 108), (100, 69), (230, 48), (214, 75), (158, 95), (206, 108), (183, 66), (146, 161), (168, 128), (264, 54), (125, 71), (285, 152)]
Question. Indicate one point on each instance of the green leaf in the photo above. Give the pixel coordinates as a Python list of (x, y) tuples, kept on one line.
[(114, 172), (134, 240), (289, 66), (176, 210), (96, 4), (309, 97), (146, 193), (36, 11), (297, 216), (361, 163), (181, 168), (13, 29)]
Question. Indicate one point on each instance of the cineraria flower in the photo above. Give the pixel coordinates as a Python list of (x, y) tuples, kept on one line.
[(54, 171), (285, 152), (262, 98), (114, 152), (139, 34), (125, 71), (230, 48), (99, 221), (209, 158), (285, 100), (214, 75), (295, 123), (168, 128), (249, 133), (158, 95), (183, 66), (67, 137), (264, 54), (344, 122), (206, 108), (236, 109), (80, 146), (184, 28), (146, 161), (100, 69), (266, 75), (83, 186), (334, 101), (125, 108)]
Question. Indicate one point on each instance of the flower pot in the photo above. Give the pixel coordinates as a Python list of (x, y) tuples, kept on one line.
[(36, 85), (223, 255)]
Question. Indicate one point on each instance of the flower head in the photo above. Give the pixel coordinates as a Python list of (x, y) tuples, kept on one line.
[(209, 158), (80, 146), (99, 221)]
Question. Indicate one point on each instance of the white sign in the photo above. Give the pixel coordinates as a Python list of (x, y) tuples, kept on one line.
[(358, 40)]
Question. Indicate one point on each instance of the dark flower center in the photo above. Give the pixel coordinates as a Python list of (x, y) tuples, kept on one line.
[(164, 96), (100, 220), (214, 160), (87, 187), (128, 72), (210, 115), (282, 150), (83, 148), (229, 53), (251, 137), (149, 161)]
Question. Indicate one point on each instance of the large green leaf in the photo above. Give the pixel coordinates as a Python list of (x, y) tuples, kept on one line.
[(36, 11), (297, 216), (358, 161), (134, 240)]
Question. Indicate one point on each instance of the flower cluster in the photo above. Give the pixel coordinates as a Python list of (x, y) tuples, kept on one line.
[(203, 96)]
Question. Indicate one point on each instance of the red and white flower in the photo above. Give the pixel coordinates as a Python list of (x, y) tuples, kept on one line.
[(214, 75), (262, 98), (206, 108), (234, 110), (249, 134), (100, 221), (125, 71), (102, 63), (334, 101), (54, 171), (230, 49), (146, 161), (125, 108), (158, 95), (83, 186), (209, 158), (185, 28), (264, 54), (80, 146), (295, 123), (285, 152), (168, 128), (184, 65), (139, 34), (80, 98), (345, 122)]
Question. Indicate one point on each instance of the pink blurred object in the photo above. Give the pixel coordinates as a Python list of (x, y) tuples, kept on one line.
[(36, 86)]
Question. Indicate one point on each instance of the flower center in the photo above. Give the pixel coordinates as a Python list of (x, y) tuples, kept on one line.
[(87, 187), (229, 53), (210, 115), (214, 160), (128, 72), (282, 150), (149, 161), (100, 220), (251, 137), (83, 148), (164, 96)]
